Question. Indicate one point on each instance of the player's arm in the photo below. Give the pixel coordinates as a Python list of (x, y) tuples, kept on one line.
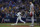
[(16, 14), (32, 8)]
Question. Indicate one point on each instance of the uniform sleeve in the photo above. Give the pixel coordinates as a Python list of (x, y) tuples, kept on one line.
[(32, 5)]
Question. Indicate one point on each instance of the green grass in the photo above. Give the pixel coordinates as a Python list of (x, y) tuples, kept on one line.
[(6, 24), (37, 26)]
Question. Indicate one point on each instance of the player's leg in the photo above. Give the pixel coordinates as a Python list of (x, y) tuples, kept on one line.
[(22, 21), (17, 20), (3, 20), (32, 20)]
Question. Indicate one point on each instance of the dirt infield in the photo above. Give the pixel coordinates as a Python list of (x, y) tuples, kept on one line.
[(21, 26), (16, 25)]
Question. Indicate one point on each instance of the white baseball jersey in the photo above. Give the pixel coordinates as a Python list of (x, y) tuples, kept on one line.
[(32, 5), (19, 15)]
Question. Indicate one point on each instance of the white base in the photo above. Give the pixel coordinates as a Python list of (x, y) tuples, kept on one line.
[(14, 24)]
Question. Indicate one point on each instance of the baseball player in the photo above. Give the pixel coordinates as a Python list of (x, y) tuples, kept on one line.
[(18, 18), (32, 13)]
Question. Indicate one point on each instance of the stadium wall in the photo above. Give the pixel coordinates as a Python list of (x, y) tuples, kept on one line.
[(13, 20)]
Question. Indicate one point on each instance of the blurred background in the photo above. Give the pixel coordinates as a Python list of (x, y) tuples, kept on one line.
[(9, 8)]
